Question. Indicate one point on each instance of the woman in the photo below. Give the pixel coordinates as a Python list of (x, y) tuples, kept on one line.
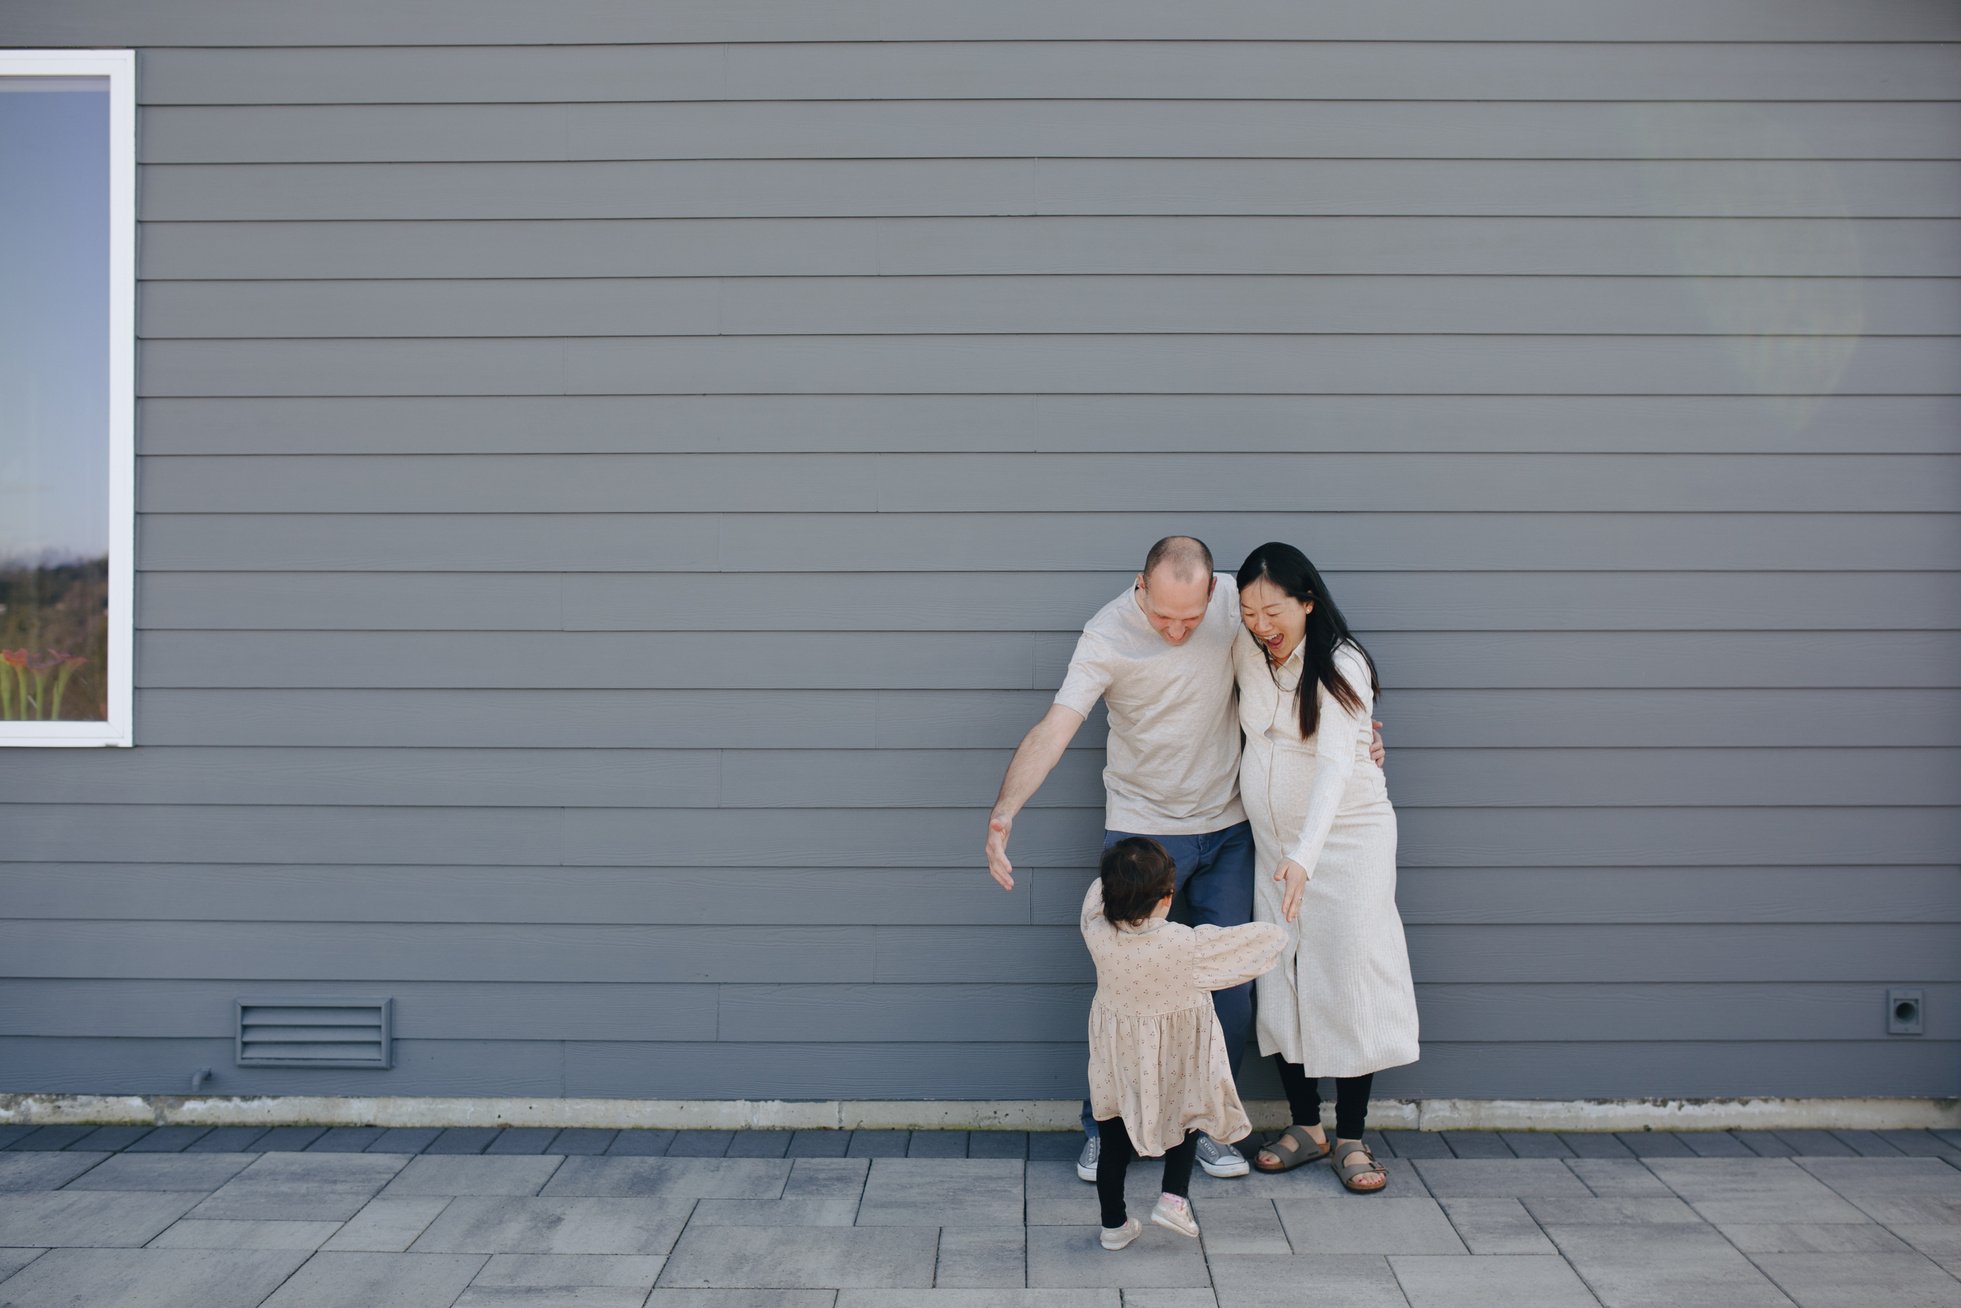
[(1340, 1003)]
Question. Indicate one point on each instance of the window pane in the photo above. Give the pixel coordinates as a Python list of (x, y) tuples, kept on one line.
[(54, 398)]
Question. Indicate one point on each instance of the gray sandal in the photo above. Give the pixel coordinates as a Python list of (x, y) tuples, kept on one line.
[(1351, 1172), (1306, 1149)]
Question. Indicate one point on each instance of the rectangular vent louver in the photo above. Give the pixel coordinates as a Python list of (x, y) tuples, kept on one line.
[(315, 1033)]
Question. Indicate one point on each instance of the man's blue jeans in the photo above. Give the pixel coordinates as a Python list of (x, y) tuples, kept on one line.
[(1215, 871)]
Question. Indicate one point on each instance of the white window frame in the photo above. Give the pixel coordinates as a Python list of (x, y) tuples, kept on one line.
[(119, 66)]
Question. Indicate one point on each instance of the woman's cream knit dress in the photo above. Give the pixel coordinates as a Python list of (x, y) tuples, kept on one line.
[(1341, 1002), (1157, 1058)]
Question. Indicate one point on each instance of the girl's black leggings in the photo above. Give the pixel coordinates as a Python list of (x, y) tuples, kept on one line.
[(1304, 1099), (1114, 1161)]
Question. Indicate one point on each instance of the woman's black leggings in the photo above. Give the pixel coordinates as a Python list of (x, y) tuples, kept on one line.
[(1304, 1099), (1114, 1161)]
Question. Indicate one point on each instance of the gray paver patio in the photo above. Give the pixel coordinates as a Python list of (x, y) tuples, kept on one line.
[(1836, 1280), (804, 1257), (1503, 1281), (163, 1172), (942, 1192), (556, 1226), (326, 1227), (88, 1218), (1353, 1281), (378, 1280), (983, 1257), (150, 1278), (43, 1171), (1386, 1225), (1664, 1267)]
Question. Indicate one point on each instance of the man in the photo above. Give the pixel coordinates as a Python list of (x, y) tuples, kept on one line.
[(1160, 656)]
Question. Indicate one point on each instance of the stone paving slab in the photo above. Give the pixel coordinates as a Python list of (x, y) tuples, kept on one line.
[(226, 1140), (404, 1140), (462, 1140), (1352, 1281), (582, 1140), (760, 1144), (1501, 1281), (1640, 1211), (1496, 1226), (641, 1144), (1450, 1178), (378, 1280), (179, 1171), (1170, 1298), (1354, 1225), (1664, 1267), (283, 1139), (1536, 1144), (672, 1178), (474, 1224), (775, 1212), (1839, 1280), (109, 1139), (827, 1178), (743, 1298), (556, 1296), (150, 1278), (1614, 1177), (43, 1171), (942, 1192), (997, 1144), (348, 1140), (1230, 1227), (1755, 1190), (700, 1144), (51, 1138), (192, 1233), (303, 1187), (809, 1257), (100, 1219), (983, 1257), (971, 1298), (561, 1271), (387, 1225), (168, 1140), (1891, 1177), (433, 1174), (1819, 1237), (819, 1144), (12, 1260), (1071, 1257)]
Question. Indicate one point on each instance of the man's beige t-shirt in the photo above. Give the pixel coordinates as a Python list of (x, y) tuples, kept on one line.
[(1173, 761)]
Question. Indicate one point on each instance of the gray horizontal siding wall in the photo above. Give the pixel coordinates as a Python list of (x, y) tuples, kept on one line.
[(617, 481)]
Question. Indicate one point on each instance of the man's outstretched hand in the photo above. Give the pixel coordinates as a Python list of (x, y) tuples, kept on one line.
[(998, 865)]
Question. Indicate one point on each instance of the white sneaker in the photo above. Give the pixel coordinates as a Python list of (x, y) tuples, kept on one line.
[(1220, 1160), (1116, 1237), (1175, 1214), (1086, 1161)]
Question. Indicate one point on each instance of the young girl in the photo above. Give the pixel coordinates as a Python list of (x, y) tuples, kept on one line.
[(1158, 1070)]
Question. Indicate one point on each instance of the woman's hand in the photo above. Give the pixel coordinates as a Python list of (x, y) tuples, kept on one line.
[(1295, 877)]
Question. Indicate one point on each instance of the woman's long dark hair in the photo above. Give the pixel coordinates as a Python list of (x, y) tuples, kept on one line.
[(1290, 570)]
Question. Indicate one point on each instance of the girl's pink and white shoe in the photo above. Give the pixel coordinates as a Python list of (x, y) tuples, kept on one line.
[(1175, 1213), (1116, 1237)]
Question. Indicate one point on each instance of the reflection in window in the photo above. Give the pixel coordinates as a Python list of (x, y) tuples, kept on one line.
[(64, 404)]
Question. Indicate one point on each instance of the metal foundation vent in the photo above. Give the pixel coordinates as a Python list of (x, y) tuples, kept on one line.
[(315, 1033)]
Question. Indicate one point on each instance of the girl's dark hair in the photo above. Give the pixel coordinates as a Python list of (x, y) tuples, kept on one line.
[(1290, 570), (1137, 873)]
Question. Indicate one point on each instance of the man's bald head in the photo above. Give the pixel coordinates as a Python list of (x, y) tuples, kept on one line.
[(1175, 587), (1185, 557)]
